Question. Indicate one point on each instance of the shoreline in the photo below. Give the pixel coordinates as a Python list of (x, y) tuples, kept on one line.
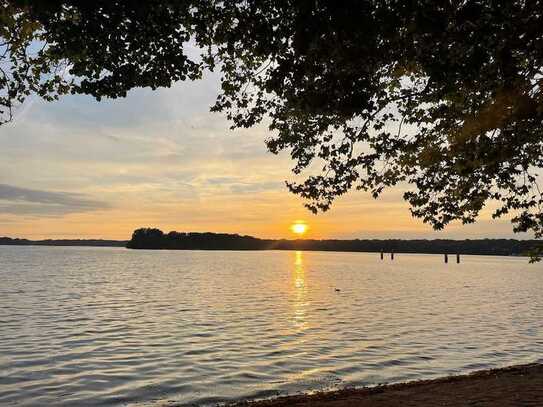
[(519, 385)]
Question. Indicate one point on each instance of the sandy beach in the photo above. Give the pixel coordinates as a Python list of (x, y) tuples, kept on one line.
[(509, 387)]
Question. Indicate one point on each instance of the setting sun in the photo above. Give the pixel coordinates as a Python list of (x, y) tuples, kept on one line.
[(299, 228)]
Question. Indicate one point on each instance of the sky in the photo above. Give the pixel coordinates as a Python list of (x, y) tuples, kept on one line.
[(78, 168)]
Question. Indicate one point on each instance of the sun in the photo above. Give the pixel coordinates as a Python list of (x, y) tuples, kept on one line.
[(299, 227)]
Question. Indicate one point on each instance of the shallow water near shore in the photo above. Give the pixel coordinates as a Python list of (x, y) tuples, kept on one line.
[(110, 326)]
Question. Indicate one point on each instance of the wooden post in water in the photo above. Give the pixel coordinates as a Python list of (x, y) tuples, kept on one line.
[(392, 255), (446, 258), (457, 257), (381, 254)]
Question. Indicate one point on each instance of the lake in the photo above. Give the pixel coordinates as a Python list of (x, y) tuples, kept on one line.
[(111, 326)]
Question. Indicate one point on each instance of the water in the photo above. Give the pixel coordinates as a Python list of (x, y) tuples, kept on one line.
[(106, 326)]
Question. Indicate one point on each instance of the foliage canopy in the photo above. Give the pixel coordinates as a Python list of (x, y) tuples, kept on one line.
[(444, 97)]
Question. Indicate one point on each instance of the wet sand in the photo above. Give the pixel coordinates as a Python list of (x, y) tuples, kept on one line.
[(517, 386)]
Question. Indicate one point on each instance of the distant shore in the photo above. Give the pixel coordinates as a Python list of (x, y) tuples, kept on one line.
[(508, 387), (155, 239), (8, 241)]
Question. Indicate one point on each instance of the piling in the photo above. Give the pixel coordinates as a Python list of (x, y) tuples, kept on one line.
[(446, 258), (382, 255), (392, 255), (458, 257)]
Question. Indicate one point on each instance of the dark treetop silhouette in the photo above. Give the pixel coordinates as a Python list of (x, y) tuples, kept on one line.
[(149, 238), (443, 97)]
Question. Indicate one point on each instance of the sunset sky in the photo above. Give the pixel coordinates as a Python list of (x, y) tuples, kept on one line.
[(79, 168)]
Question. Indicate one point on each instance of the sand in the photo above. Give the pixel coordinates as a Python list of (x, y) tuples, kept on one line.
[(516, 386)]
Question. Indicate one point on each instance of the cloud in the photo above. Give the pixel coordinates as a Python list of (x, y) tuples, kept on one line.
[(241, 185), (24, 201), (257, 187)]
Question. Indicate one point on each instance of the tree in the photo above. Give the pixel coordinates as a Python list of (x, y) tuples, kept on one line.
[(444, 97), (147, 238)]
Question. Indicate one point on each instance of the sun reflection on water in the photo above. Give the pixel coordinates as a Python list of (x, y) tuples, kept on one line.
[(300, 292)]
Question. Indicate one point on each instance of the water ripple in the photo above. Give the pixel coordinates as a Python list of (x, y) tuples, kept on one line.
[(108, 327)]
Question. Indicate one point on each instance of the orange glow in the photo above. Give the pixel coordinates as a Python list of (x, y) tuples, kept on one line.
[(299, 228)]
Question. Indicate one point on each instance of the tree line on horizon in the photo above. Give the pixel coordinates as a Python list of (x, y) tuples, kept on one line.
[(152, 238), (8, 241)]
